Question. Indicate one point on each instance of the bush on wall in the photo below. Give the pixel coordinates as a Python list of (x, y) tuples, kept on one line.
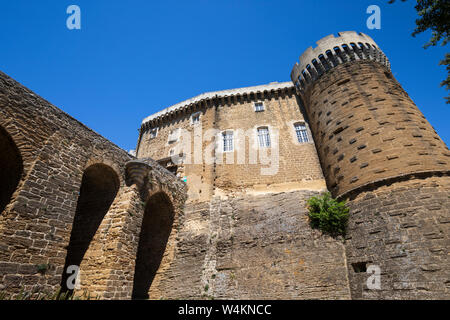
[(328, 214)]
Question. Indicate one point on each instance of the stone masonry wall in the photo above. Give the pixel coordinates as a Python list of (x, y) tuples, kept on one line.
[(209, 171), (404, 229), (378, 151), (64, 162), (199, 173), (368, 129), (254, 247), (289, 165)]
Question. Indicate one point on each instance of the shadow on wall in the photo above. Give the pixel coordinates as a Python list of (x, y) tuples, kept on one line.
[(155, 232), (11, 168), (99, 187)]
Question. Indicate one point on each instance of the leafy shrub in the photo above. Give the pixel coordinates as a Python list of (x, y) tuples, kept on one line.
[(328, 214)]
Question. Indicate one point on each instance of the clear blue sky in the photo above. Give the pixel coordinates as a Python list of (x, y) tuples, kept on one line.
[(133, 58)]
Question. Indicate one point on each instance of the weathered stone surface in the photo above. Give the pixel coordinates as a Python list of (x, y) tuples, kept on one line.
[(398, 184), (410, 246), (51, 214), (254, 247)]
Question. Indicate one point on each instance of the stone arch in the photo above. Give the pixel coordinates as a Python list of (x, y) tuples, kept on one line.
[(156, 228), (99, 187), (11, 168)]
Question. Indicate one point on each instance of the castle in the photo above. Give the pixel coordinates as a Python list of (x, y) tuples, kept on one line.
[(213, 204)]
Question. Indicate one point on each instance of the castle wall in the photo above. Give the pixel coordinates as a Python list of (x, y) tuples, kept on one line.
[(254, 247), (287, 165), (404, 229), (247, 236), (67, 172), (199, 173)]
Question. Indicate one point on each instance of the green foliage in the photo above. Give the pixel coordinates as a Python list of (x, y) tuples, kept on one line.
[(446, 83), (435, 15), (328, 214), (42, 268)]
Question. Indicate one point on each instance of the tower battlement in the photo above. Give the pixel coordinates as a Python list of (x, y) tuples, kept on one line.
[(332, 51)]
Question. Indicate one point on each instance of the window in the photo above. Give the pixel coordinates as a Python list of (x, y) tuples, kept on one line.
[(174, 135), (195, 119), (259, 106), (302, 132), (263, 137), (153, 133), (227, 137)]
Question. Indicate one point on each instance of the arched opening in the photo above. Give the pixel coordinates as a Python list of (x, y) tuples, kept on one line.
[(155, 231), (98, 189), (11, 168)]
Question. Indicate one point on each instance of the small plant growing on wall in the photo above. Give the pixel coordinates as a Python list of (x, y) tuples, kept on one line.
[(328, 214), (42, 268)]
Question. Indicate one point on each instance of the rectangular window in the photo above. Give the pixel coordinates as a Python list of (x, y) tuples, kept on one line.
[(174, 135), (153, 133), (227, 141), (302, 133), (264, 137), (196, 118), (259, 106)]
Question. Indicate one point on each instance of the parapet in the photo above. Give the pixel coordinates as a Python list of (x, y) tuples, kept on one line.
[(332, 51)]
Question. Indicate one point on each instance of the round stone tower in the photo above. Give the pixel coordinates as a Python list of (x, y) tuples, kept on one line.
[(378, 151)]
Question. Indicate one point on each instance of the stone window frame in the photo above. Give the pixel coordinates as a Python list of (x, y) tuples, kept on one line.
[(174, 135), (222, 141), (263, 106), (308, 133), (295, 141), (258, 141), (199, 114), (155, 131)]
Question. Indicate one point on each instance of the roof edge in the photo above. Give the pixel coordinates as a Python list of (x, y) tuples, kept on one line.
[(220, 94)]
